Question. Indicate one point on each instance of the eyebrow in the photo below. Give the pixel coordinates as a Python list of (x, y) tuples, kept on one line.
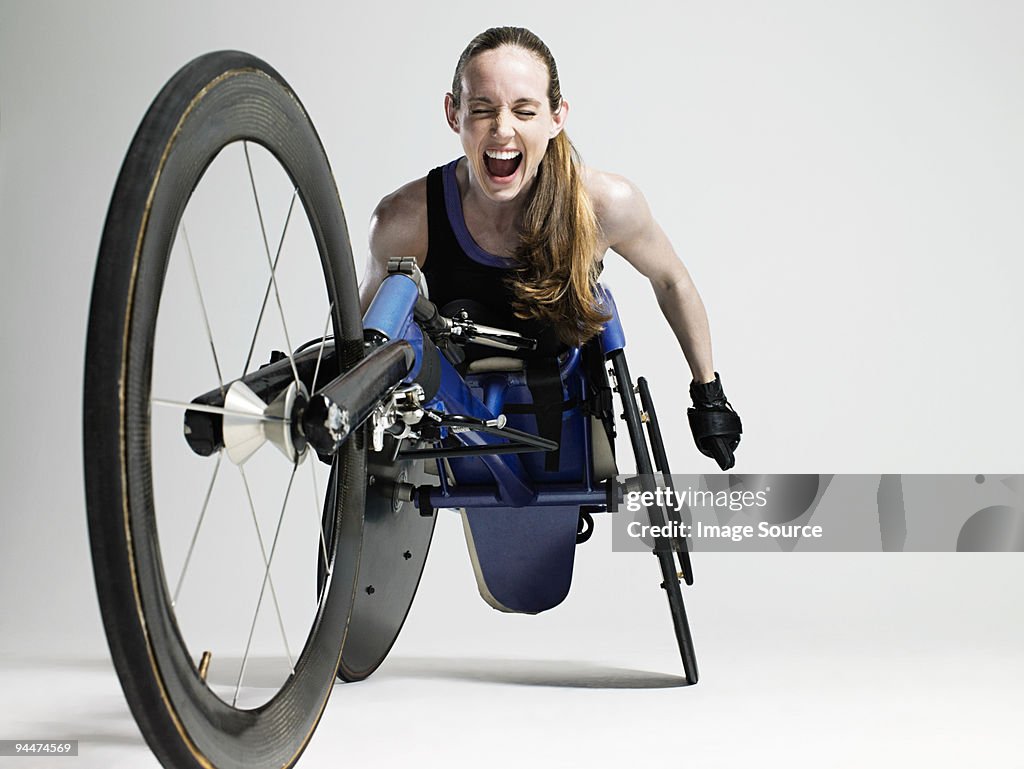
[(521, 100)]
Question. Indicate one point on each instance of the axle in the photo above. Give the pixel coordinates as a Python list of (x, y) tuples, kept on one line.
[(268, 404)]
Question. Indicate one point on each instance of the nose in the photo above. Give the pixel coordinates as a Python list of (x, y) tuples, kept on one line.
[(502, 126)]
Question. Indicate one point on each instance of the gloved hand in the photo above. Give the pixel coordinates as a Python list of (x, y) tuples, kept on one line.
[(716, 427)]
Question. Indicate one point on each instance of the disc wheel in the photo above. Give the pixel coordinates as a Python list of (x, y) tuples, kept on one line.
[(238, 680), (396, 539)]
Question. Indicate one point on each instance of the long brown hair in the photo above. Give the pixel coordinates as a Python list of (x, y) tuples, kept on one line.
[(555, 280)]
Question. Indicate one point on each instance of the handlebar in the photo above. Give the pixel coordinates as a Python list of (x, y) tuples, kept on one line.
[(463, 330)]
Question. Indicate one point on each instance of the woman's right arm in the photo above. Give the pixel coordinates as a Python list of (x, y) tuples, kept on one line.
[(398, 227)]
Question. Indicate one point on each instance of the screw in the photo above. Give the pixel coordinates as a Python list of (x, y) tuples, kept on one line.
[(407, 555), (370, 590)]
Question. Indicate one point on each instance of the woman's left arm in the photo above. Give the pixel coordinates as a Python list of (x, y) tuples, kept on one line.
[(631, 231)]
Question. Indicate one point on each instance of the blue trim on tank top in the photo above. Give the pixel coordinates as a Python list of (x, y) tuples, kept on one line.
[(457, 219)]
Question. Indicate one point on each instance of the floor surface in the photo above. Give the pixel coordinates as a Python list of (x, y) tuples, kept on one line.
[(806, 711), (812, 660)]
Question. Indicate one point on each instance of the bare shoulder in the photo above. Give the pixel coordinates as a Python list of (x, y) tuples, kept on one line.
[(620, 207), (398, 226)]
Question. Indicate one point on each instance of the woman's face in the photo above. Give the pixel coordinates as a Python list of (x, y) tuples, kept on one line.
[(504, 120)]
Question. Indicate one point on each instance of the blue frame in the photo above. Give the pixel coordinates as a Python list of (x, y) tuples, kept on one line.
[(501, 480)]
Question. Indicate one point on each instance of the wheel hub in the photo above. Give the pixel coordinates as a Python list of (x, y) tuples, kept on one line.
[(249, 422)]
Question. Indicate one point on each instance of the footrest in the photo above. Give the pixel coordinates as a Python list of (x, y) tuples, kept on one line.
[(522, 557)]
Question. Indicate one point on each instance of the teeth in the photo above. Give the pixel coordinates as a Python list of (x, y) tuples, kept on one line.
[(502, 154)]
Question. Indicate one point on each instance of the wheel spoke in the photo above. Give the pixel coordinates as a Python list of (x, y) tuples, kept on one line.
[(266, 581), (195, 533), (272, 263), (202, 305), (323, 343), (266, 291), (263, 550)]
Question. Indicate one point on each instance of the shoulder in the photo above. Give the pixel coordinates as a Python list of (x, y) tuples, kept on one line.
[(399, 222), (619, 205)]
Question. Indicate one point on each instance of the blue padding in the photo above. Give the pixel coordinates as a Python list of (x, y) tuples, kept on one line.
[(390, 312), (525, 555), (612, 336)]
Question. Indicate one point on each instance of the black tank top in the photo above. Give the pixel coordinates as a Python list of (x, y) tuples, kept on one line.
[(459, 272)]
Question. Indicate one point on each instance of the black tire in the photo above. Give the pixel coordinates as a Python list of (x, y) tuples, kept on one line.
[(663, 548), (215, 100)]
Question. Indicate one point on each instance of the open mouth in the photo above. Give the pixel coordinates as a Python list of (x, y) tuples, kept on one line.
[(502, 164)]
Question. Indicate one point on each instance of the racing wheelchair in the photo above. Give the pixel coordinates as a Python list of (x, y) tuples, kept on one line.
[(376, 422)]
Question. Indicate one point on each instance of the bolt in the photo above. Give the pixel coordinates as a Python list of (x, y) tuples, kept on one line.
[(407, 555), (370, 590)]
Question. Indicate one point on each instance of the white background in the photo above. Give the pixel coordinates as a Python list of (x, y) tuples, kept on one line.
[(843, 180)]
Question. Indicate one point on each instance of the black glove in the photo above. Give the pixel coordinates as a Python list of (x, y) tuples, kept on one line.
[(716, 427)]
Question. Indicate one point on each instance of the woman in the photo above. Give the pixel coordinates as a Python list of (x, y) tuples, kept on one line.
[(520, 226)]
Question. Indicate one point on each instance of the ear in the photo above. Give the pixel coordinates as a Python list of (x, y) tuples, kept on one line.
[(558, 118), (450, 112)]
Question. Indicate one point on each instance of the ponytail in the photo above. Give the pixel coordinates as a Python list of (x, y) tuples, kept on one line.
[(556, 281)]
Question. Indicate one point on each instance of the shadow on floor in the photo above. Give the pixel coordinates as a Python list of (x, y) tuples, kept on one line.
[(271, 672), (523, 672)]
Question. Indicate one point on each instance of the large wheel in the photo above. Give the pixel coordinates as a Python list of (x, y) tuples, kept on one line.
[(205, 572)]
